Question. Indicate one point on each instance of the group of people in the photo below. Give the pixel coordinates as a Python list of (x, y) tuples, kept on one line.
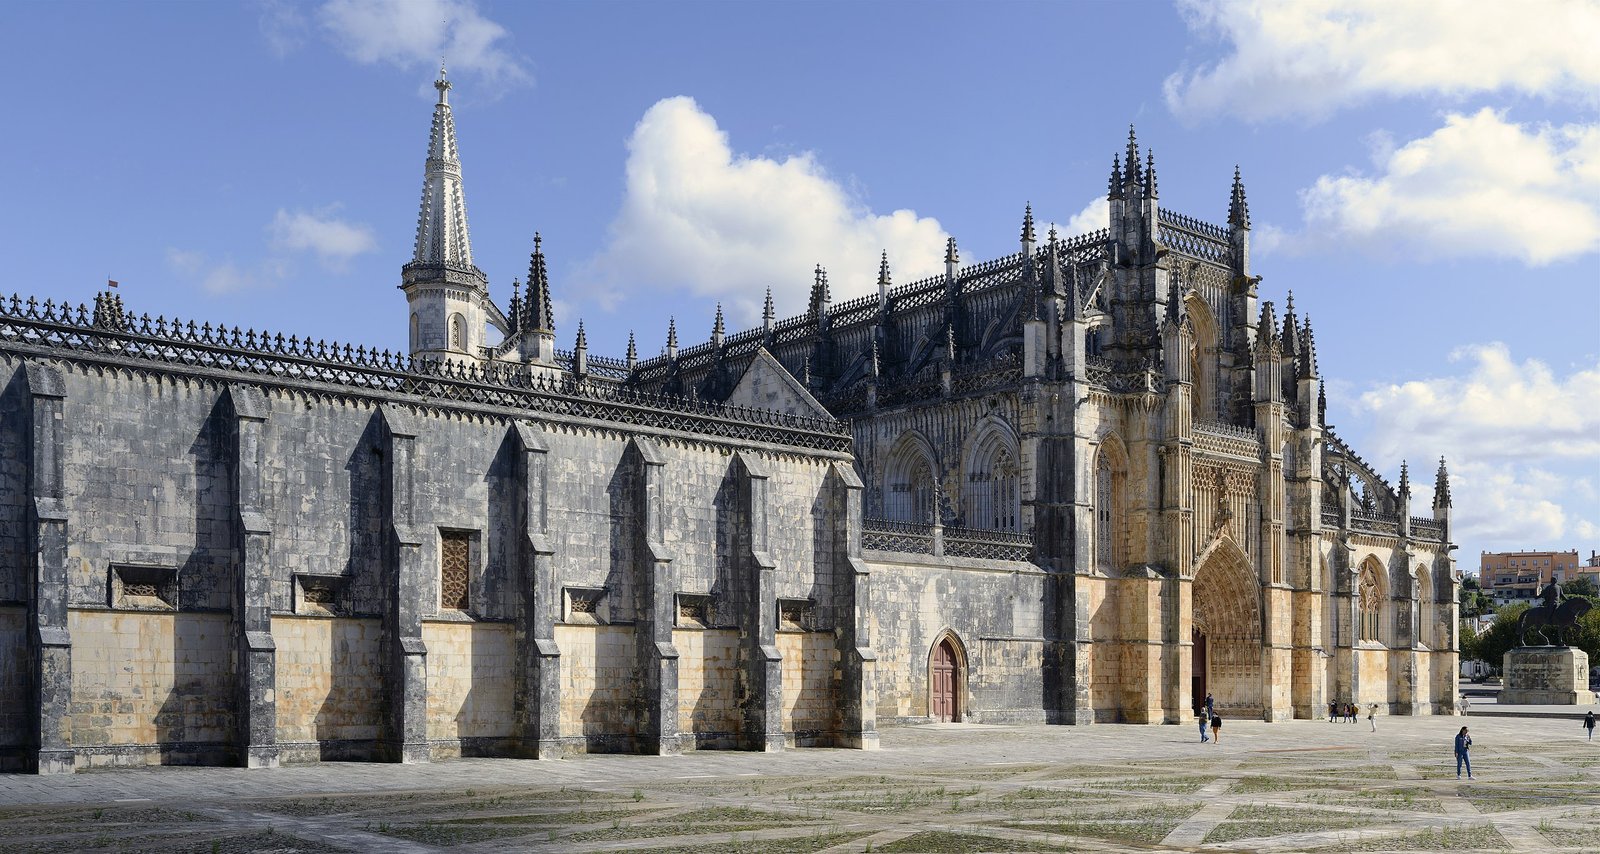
[(1350, 712)]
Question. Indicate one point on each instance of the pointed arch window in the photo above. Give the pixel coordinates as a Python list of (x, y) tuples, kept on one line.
[(909, 486), (992, 493), (1107, 512), (416, 332), (458, 331), (1371, 606)]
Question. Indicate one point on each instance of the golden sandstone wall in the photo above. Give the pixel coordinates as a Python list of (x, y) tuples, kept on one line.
[(809, 659), (328, 683), (469, 683), (708, 676), (599, 683)]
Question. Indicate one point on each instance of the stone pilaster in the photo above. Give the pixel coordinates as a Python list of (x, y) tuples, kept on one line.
[(658, 658), (538, 687), (858, 693), (252, 612), (50, 642), (405, 655), (761, 670)]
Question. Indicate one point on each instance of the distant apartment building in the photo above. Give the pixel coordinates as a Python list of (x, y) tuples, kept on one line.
[(1519, 576)]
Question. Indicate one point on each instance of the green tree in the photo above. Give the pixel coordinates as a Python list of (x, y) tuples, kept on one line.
[(1583, 585), (1491, 646), (1473, 602)]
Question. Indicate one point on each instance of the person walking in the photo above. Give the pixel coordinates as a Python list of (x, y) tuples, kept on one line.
[(1211, 706), (1216, 729), (1203, 722), (1333, 711), (1588, 724), (1464, 704), (1463, 745), (1372, 716)]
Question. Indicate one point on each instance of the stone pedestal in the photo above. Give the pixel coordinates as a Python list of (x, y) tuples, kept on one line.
[(1546, 675)]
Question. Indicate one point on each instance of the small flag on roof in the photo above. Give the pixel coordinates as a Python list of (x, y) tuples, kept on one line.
[(111, 282)]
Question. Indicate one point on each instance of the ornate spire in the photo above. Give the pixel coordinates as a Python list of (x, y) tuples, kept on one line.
[(1290, 335), (633, 351), (952, 255), (1308, 351), (1322, 403), (538, 315), (1441, 487), (1053, 236), (672, 337), (1238, 210), (442, 223), (1132, 159), (1150, 174), (514, 314), (718, 328), (883, 276), (767, 314), (583, 339), (1027, 224), (1114, 186), (1405, 483), (580, 352), (820, 297)]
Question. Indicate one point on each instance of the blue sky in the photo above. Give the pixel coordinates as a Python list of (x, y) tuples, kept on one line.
[(1425, 178)]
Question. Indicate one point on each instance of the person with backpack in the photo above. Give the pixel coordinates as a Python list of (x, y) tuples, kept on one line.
[(1588, 724)]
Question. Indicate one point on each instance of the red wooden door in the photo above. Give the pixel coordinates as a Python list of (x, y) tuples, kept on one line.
[(944, 682)]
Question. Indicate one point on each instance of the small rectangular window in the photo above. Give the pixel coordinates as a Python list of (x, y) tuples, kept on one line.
[(455, 569), (144, 588)]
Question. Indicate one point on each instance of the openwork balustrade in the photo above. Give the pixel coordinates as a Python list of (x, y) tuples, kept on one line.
[(917, 538), (187, 345)]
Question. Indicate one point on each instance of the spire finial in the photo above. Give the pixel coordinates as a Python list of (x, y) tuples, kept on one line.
[(1132, 159), (1027, 224), (583, 339), (1053, 236), (1114, 186), (1322, 403), (672, 336), (952, 255), (1238, 208), (1308, 351), (633, 350), (1441, 487), (540, 315), (767, 314), (1150, 174), (442, 84), (717, 327), (883, 268), (819, 292), (1405, 479)]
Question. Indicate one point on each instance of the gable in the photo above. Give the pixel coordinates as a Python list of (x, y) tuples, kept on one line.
[(765, 384)]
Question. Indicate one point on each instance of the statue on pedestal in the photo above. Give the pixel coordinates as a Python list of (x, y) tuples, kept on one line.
[(1554, 613)]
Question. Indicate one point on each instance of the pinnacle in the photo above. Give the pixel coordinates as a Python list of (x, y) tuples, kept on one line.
[(883, 269), (717, 326), (951, 254), (672, 332), (442, 236), (1238, 208), (633, 348), (540, 316), (767, 313), (583, 340), (1027, 223)]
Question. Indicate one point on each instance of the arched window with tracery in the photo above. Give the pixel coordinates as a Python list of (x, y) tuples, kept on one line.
[(416, 332), (1108, 511), (1371, 603), (458, 329), (1426, 613), (1203, 359), (908, 484), (991, 497)]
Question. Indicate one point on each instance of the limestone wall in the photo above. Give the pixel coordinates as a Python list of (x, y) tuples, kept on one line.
[(469, 684), (160, 682), (14, 663), (329, 685), (708, 684), (810, 710), (994, 615), (600, 685)]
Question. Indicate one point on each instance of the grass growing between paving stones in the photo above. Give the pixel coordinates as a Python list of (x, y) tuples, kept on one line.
[(1144, 824), (1503, 798), (800, 845), (944, 842), (1168, 785), (1405, 800), (1480, 837), (692, 823), (1251, 821), (897, 800)]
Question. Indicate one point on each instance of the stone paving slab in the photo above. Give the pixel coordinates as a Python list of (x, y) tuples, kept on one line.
[(955, 787)]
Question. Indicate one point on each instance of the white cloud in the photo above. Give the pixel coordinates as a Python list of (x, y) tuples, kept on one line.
[(1480, 185), (334, 241), (407, 34), (1523, 444), (698, 217), (1310, 57), (1094, 216)]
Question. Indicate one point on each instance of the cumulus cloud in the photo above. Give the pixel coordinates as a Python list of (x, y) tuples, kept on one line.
[(1479, 185), (1310, 57), (1523, 443), (333, 240), (699, 217), (1094, 216), (219, 278), (404, 33)]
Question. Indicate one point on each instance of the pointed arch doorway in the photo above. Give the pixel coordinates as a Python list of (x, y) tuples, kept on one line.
[(1227, 632), (946, 680)]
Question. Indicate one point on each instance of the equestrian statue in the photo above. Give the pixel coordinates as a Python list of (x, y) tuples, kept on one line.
[(1556, 613)]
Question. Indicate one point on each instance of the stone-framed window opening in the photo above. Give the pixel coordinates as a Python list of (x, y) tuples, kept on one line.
[(1110, 473), (1203, 359), (136, 587), (694, 611), (458, 561), (458, 332), (584, 606), (992, 498), (1370, 608), (416, 332), (908, 488), (1426, 617)]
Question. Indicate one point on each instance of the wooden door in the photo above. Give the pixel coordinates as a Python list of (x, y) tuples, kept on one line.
[(944, 683), (1197, 677)]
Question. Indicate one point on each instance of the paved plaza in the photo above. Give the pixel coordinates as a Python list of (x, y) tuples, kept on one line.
[(1297, 786)]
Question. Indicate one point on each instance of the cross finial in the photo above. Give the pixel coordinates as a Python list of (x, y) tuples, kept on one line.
[(442, 84)]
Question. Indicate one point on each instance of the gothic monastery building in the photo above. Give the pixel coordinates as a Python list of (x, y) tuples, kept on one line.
[(1088, 482)]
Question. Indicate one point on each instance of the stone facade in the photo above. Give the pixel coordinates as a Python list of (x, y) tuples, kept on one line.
[(1087, 482)]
